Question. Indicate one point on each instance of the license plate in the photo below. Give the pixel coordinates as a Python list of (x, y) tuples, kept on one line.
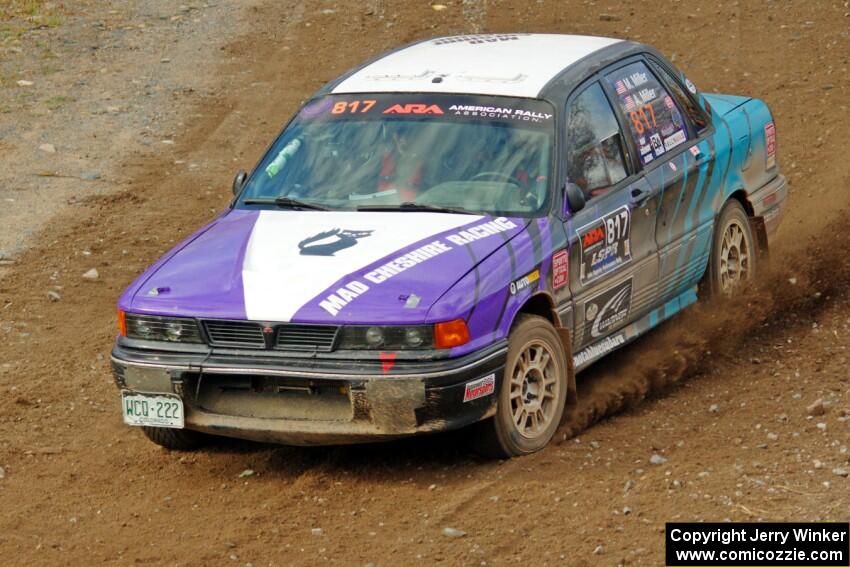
[(152, 410)]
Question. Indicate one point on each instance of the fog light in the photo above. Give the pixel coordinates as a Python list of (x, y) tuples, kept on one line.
[(374, 336)]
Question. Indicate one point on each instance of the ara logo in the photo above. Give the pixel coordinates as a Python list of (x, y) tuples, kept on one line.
[(415, 108), (593, 236), (331, 241)]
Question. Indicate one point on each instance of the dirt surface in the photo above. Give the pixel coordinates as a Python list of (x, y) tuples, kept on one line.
[(721, 392)]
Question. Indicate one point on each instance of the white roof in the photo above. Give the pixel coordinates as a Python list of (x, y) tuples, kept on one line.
[(496, 64)]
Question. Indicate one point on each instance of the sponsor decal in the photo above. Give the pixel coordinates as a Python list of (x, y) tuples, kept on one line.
[(525, 281), (411, 301), (605, 244), (414, 108), (335, 302), (477, 39), (770, 145), (560, 266), (674, 140), (672, 166), (480, 231), (657, 145), (499, 112), (331, 241), (595, 351), (479, 388), (387, 360), (406, 261), (691, 87), (609, 309), (651, 111), (695, 151)]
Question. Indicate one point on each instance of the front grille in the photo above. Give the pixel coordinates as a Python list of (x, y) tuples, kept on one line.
[(287, 336), (235, 334), (306, 337)]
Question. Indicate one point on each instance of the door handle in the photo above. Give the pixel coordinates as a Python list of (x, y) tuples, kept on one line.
[(640, 196)]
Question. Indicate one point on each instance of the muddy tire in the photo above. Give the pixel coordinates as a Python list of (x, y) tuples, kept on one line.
[(734, 253), (175, 439), (532, 394)]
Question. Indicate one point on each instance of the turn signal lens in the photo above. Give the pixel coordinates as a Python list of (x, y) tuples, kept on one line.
[(451, 334), (122, 324)]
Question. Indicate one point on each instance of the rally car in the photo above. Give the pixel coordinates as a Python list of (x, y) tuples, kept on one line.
[(443, 237)]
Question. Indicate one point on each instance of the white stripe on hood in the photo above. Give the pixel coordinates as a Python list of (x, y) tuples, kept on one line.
[(278, 278)]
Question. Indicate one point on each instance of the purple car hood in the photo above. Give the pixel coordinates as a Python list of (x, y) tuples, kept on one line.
[(319, 267)]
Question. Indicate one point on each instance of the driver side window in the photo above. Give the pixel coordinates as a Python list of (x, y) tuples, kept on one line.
[(595, 155)]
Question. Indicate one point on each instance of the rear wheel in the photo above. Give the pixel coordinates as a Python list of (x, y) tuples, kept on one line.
[(175, 439), (532, 395), (733, 251)]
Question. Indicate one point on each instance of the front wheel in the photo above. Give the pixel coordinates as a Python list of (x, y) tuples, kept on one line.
[(733, 251), (532, 395)]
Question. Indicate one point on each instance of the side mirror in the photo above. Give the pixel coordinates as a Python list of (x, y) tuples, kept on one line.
[(574, 197), (239, 181)]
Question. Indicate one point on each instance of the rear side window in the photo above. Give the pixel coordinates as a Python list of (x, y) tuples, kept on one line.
[(595, 156), (654, 117), (692, 111)]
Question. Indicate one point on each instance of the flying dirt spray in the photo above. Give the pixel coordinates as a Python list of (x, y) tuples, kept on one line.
[(686, 346)]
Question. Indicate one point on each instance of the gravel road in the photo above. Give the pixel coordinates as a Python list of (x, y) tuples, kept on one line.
[(736, 411)]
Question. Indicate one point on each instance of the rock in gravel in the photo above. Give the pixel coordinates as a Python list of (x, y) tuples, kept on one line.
[(816, 408), (2, 473), (599, 550), (453, 532), (91, 275), (840, 471), (24, 83), (53, 296), (90, 176), (48, 148), (246, 473), (657, 459), (714, 408), (317, 531), (818, 464)]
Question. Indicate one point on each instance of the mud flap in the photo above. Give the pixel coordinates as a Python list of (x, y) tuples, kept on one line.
[(572, 395), (759, 230)]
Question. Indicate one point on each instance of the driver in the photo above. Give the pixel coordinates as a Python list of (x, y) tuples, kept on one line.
[(401, 166)]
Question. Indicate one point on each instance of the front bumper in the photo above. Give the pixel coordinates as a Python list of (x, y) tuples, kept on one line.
[(271, 398)]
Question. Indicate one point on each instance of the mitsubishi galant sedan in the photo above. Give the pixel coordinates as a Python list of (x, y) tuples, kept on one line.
[(442, 238)]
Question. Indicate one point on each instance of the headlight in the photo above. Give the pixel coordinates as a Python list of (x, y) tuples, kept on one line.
[(153, 328), (396, 337)]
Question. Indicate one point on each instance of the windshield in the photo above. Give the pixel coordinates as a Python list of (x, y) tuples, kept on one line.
[(488, 155)]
